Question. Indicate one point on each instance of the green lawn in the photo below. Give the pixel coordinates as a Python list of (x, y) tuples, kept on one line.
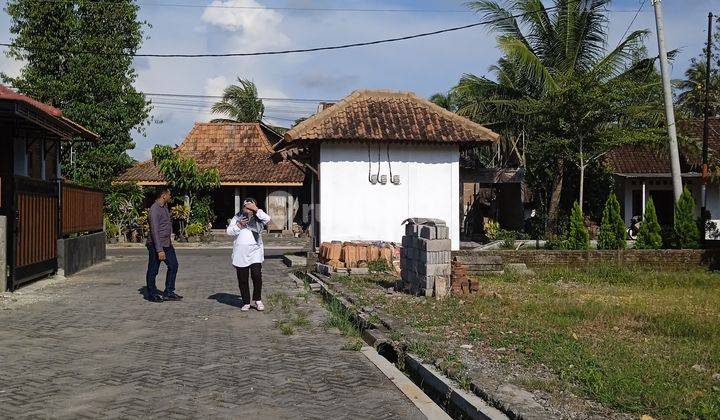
[(639, 341)]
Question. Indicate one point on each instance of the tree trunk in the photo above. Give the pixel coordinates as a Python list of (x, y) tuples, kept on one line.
[(554, 207), (582, 182)]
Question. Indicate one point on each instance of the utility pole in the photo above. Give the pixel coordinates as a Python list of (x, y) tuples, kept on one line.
[(706, 122), (669, 112)]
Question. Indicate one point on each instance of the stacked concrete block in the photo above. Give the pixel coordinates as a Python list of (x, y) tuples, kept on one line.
[(425, 257)]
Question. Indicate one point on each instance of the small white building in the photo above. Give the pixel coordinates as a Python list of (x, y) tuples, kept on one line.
[(377, 158)]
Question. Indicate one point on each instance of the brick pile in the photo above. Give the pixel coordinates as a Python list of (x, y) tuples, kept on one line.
[(460, 283), (425, 257), (341, 255)]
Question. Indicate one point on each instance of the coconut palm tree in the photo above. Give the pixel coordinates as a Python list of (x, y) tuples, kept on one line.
[(691, 99), (240, 103), (548, 51)]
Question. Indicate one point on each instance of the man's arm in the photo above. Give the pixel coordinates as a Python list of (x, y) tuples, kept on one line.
[(155, 228)]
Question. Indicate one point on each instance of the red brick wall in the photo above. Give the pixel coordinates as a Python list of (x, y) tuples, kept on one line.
[(533, 258)]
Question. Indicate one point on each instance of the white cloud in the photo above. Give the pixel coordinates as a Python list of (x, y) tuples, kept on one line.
[(252, 28), (214, 86)]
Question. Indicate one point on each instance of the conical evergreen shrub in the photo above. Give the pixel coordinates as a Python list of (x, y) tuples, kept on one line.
[(650, 234), (612, 228), (686, 232), (578, 237)]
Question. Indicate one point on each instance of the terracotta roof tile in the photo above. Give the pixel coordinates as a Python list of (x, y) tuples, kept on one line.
[(76, 129), (647, 159), (242, 153), (377, 115)]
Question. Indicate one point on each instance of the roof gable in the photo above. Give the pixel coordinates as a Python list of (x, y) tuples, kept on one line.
[(379, 115)]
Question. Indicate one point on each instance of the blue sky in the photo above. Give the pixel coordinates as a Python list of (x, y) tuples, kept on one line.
[(424, 66)]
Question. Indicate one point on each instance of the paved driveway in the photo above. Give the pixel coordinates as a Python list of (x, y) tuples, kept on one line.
[(91, 347)]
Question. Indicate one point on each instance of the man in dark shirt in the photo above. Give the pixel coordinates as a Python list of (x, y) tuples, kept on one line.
[(159, 245)]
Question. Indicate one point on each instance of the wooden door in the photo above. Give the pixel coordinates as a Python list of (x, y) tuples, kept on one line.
[(278, 210)]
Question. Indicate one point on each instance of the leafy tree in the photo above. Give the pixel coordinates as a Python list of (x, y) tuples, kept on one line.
[(578, 237), (241, 103), (445, 100), (77, 56), (685, 230), (612, 228), (553, 86), (691, 95), (650, 234), (183, 176)]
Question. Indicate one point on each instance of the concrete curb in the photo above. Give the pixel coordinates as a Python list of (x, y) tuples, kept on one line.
[(442, 388), (424, 403)]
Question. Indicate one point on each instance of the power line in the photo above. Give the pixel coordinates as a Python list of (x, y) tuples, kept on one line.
[(307, 50), (187, 95), (632, 21)]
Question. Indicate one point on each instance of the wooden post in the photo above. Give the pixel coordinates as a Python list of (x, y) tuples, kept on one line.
[(290, 205)]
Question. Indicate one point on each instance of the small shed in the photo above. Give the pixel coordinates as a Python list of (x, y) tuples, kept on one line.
[(243, 154), (379, 157)]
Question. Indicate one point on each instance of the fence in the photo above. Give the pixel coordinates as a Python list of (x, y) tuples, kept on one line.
[(82, 209)]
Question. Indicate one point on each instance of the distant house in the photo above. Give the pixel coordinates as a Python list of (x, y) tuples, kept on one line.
[(242, 153), (377, 158), (643, 171)]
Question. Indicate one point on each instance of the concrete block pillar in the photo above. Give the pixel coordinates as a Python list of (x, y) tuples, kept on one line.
[(425, 257)]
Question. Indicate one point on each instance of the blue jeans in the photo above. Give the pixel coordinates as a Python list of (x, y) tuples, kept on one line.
[(154, 266)]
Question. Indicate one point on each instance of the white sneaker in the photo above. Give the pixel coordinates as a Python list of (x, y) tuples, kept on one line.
[(259, 305), (245, 308)]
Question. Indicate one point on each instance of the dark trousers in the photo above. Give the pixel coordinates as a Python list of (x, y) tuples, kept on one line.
[(154, 266), (254, 271)]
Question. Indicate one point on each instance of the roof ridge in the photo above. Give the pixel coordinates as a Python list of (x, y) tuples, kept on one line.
[(322, 115)]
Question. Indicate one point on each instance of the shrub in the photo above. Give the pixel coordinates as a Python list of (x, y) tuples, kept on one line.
[(111, 229), (202, 211), (612, 228), (195, 229), (492, 230), (650, 234), (578, 237), (378, 266), (555, 242), (686, 232)]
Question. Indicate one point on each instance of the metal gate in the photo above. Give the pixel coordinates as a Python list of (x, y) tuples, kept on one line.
[(35, 231)]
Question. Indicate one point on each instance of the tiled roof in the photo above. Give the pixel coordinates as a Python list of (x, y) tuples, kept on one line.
[(638, 159), (240, 151), (76, 129), (649, 159), (376, 115)]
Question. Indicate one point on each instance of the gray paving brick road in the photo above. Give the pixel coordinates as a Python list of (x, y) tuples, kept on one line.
[(91, 347)]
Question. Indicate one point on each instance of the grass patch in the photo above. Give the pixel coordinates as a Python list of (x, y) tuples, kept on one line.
[(643, 341), (292, 317), (342, 319)]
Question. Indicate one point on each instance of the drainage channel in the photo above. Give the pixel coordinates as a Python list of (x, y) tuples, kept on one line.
[(455, 401)]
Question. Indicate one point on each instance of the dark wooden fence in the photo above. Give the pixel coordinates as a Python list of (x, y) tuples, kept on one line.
[(82, 209)]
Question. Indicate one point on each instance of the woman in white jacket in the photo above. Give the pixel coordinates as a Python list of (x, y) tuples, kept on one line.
[(248, 253)]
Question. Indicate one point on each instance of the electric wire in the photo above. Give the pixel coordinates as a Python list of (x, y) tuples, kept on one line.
[(303, 50)]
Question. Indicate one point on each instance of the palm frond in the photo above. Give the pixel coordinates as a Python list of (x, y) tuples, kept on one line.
[(528, 63)]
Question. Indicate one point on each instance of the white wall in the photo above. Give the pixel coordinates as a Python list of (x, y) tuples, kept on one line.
[(665, 184), (351, 208)]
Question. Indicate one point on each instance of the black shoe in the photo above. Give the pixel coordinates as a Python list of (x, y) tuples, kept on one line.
[(172, 297), (155, 299)]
